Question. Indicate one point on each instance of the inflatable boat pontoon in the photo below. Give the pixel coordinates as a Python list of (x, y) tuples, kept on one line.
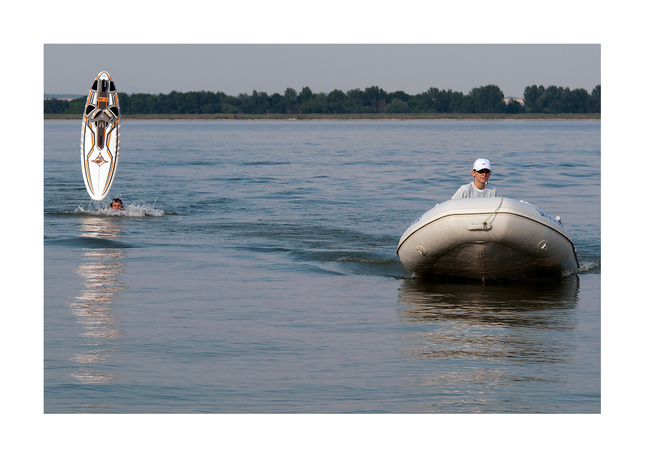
[(488, 238)]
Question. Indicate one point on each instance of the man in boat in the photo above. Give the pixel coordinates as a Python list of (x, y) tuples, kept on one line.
[(479, 187)]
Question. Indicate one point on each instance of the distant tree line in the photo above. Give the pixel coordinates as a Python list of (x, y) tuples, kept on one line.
[(484, 99)]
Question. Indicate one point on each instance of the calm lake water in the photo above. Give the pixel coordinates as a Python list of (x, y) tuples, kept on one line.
[(254, 270)]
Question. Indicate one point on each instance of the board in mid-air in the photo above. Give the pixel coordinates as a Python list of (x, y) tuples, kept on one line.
[(100, 137)]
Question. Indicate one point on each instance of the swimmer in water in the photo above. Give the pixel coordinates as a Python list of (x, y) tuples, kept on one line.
[(116, 204)]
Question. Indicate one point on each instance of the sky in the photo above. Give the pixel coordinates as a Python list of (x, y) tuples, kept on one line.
[(242, 68)]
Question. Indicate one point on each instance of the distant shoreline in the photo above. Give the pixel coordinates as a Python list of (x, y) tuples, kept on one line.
[(349, 117)]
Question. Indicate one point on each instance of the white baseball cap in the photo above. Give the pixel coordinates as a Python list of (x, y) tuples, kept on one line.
[(481, 164)]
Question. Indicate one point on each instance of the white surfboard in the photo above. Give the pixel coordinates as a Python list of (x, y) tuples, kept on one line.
[(100, 137)]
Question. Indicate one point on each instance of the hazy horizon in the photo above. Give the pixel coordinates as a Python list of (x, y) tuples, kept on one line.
[(240, 68)]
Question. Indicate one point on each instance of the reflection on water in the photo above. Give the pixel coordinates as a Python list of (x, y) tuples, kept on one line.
[(489, 336), (100, 268), (514, 304)]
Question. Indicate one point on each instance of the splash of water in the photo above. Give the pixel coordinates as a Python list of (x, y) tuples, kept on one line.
[(588, 266), (129, 210)]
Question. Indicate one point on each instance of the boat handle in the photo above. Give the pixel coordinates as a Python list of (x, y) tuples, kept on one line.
[(483, 226)]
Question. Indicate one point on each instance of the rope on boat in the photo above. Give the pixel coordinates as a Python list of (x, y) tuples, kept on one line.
[(485, 223)]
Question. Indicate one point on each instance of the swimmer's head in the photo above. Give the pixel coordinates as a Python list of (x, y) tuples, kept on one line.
[(116, 204)]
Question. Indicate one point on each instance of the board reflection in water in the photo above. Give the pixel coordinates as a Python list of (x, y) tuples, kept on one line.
[(102, 264)]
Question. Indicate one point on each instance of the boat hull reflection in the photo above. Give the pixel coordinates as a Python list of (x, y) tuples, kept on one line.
[(488, 322)]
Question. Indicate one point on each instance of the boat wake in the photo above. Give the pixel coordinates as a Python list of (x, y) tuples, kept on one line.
[(589, 266)]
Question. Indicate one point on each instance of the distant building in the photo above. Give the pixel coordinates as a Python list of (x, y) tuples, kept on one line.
[(508, 100), (64, 97)]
